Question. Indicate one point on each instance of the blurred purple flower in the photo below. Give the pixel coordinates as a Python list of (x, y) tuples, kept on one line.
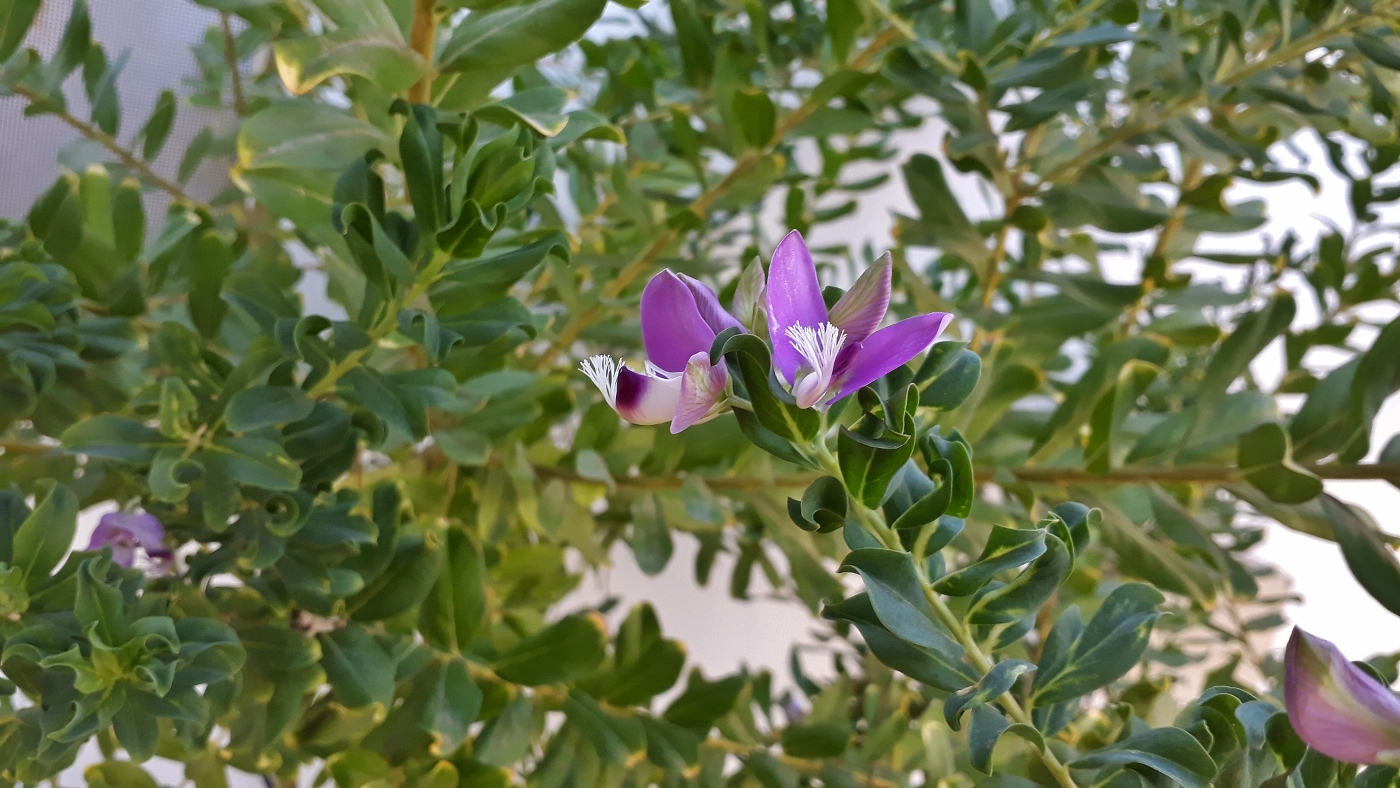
[(126, 531), (1336, 707), (680, 319), (826, 355)]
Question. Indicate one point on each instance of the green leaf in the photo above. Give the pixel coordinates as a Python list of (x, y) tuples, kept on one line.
[(998, 681), (1170, 751), (97, 605), (453, 705), (453, 611), (1266, 460), (1370, 559), (897, 596), (1006, 548), (870, 458), (1031, 589), (118, 774), (1079, 659), (1251, 335), (1107, 447), (264, 406), (1376, 48), (986, 730), (158, 125), (137, 731), (46, 534), (420, 149), (407, 581), (541, 109), (256, 462), (952, 372), (815, 740), (15, 18), (703, 701), (379, 55), (507, 738), (941, 220), (644, 663), (114, 438), (843, 22), (756, 116), (517, 34), (822, 508), (651, 539), (357, 667), (921, 664), (559, 652)]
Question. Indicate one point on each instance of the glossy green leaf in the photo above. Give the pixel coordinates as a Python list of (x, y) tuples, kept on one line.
[(44, 537), (921, 664), (558, 652), (897, 596), (264, 406), (516, 34), (1266, 460), (1024, 595), (822, 508), (359, 671), (998, 681), (1078, 658), (1171, 752), (1368, 556), (952, 372), (1006, 548)]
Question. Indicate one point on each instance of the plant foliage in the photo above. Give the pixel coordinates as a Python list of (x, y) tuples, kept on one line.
[(379, 508)]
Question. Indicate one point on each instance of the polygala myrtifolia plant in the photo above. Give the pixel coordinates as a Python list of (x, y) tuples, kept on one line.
[(338, 537)]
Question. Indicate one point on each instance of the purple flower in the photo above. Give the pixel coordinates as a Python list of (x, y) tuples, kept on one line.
[(680, 319), (823, 355), (1336, 707), (126, 531)]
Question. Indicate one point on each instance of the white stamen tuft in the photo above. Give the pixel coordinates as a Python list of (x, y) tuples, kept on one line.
[(603, 371), (818, 346)]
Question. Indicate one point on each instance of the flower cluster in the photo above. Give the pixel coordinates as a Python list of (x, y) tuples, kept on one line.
[(821, 355)]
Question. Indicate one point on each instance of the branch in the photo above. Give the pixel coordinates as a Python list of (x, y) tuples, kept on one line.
[(422, 38), (1199, 474), (1204, 474), (700, 207), (1296, 48), (240, 107), (127, 158)]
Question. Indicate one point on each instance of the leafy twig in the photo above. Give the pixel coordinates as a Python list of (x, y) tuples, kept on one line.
[(127, 158)]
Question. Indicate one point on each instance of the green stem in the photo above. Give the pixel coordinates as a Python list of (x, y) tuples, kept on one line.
[(383, 329), (983, 663), (874, 521)]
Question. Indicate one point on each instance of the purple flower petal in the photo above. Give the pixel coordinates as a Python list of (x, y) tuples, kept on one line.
[(886, 350), (702, 387), (673, 329), (642, 399), (144, 527), (110, 534), (707, 302), (1337, 708), (794, 299), (861, 309)]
